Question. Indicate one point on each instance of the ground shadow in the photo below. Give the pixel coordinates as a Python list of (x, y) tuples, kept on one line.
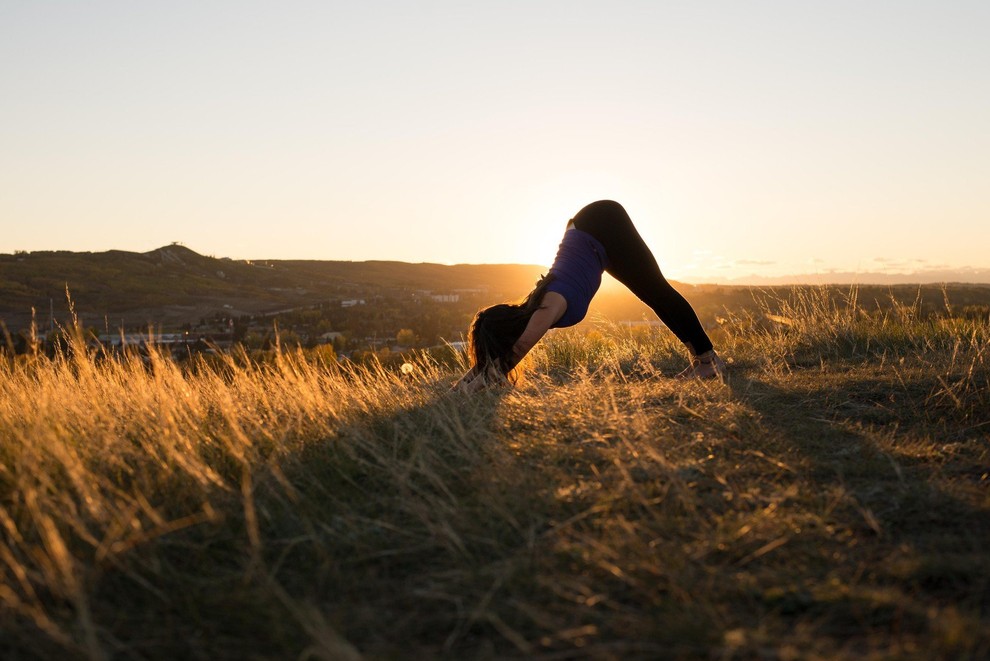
[(901, 503)]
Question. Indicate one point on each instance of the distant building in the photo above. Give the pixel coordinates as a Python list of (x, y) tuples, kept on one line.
[(351, 302), (445, 298), (138, 339)]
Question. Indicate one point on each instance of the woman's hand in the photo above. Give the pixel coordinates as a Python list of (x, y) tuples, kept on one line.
[(473, 385), (468, 376), (475, 381)]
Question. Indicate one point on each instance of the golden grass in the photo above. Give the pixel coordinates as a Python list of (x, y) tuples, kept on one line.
[(830, 500)]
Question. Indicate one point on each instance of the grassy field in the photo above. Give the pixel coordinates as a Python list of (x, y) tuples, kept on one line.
[(831, 499)]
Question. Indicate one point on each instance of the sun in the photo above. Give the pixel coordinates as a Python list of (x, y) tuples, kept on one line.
[(550, 203)]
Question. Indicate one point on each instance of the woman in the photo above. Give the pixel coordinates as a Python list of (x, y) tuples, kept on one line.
[(600, 238)]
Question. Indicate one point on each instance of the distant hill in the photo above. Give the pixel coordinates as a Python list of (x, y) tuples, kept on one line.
[(174, 284)]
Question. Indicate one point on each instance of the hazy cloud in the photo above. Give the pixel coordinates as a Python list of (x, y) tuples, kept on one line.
[(888, 276), (910, 264)]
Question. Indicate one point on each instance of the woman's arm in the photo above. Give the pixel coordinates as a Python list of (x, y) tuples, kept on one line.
[(552, 308)]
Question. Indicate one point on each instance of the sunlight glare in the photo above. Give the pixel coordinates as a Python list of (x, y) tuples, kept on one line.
[(553, 202)]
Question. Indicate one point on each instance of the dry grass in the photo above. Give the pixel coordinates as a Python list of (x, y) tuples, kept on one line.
[(831, 500)]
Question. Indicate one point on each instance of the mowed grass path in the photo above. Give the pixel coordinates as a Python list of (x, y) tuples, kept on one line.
[(830, 500)]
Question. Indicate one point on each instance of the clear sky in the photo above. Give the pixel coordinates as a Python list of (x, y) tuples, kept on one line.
[(743, 137)]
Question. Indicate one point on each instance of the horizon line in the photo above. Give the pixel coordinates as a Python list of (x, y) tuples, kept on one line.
[(837, 277)]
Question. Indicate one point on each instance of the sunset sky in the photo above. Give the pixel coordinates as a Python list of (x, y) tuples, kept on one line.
[(743, 137)]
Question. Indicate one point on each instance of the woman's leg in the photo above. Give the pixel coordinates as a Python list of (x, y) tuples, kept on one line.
[(632, 264)]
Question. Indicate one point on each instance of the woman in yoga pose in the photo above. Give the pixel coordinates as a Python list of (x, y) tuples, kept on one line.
[(600, 238)]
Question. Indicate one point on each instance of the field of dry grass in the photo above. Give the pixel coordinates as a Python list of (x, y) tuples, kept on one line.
[(831, 499)]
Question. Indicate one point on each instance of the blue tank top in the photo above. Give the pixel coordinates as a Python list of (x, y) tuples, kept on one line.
[(577, 274)]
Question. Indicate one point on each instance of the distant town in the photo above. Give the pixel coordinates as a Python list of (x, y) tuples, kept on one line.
[(379, 325)]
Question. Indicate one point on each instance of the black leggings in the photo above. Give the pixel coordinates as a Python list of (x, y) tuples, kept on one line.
[(632, 264)]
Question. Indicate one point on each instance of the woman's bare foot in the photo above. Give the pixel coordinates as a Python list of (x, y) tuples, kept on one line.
[(705, 366)]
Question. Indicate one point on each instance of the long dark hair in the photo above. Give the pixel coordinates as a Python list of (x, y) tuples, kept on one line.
[(495, 330)]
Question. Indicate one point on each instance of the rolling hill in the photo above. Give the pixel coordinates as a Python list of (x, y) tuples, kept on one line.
[(173, 284)]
